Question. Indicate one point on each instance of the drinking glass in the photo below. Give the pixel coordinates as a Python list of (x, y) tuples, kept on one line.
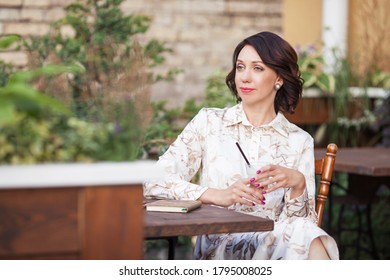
[(255, 165), (275, 195)]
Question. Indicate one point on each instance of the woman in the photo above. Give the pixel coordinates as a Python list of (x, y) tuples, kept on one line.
[(266, 82)]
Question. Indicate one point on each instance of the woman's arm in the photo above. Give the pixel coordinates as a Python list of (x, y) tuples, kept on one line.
[(300, 183), (180, 163)]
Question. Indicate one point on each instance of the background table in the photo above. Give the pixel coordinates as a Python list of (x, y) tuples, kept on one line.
[(368, 169), (362, 161)]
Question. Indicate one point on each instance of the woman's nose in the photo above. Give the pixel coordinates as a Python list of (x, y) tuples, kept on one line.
[(245, 76)]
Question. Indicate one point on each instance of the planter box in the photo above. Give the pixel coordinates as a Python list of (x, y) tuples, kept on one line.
[(73, 211), (312, 110), (317, 108)]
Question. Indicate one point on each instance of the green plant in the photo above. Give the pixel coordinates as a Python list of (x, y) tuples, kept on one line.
[(168, 123), (102, 39), (113, 91), (351, 116), (37, 128), (380, 79), (217, 93), (311, 64), (107, 105), (6, 68), (19, 99)]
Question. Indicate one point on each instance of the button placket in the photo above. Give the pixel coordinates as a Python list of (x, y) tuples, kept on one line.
[(254, 144)]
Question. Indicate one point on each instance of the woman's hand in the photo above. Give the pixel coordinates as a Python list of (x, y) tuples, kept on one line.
[(281, 177), (238, 192)]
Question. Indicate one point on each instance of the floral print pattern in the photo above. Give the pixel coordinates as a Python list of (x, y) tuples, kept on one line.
[(208, 143)]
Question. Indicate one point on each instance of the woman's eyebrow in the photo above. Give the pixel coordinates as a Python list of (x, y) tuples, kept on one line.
[(253, 62)]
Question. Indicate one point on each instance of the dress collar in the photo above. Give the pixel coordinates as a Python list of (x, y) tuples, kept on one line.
[(235, 115)]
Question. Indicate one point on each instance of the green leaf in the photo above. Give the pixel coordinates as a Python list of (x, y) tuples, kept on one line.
[(48, 70), (326, 83), (25, 96), (8, 40), (7, 112), (309, 79)]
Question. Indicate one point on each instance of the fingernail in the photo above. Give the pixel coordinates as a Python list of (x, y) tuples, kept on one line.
[(252, 179), (261, 187), (257, 185), (258, 171), (253, 204), (264, 192), (263, 202)]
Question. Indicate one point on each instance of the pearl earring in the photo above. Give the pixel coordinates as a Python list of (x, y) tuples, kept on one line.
[(277, 86)]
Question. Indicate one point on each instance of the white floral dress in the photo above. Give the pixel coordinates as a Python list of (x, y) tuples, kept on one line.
[(209, 142)]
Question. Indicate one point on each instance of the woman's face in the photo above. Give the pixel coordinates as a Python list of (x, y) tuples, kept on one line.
[(254, 80)]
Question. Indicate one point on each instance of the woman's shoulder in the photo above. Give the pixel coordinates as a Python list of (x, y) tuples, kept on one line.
[(295, 130), (213, 112), (207, 116)]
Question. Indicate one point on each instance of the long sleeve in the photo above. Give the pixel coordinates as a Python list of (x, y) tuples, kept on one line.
[(304, 205), (180, 163)]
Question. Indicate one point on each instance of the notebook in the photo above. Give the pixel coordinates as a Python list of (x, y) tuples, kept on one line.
[(171, 205)]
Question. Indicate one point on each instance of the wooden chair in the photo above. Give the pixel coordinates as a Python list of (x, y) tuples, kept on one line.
[(324, 168)]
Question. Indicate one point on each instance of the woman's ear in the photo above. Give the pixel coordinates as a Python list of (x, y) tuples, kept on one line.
[(279, 80), (278, 83)]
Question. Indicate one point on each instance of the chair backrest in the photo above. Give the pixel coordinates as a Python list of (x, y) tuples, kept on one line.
[(324, 168)]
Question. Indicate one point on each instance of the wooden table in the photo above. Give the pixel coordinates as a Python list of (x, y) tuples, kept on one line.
[(361, 161), (367, 169), (73, 211), (205, 220)]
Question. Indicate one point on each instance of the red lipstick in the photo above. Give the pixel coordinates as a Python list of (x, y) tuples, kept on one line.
[(246, 89)]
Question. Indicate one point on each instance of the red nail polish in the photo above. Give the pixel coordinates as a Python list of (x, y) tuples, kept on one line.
[(253, 204), (257, 185), (258, 171), (252, 179), (264, 192), (263, 202)]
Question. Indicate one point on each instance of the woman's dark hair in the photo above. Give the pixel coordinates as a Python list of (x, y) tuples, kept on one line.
[(278, 55)]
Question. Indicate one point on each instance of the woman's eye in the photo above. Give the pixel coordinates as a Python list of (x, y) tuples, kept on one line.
[(258, 68), (239, 67)]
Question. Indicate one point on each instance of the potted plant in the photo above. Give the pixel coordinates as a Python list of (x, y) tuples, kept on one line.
[(318, 88)]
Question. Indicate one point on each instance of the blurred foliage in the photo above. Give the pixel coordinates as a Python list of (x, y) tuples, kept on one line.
[(59, 139), (18, 98), (351, 116), (217, 93), (102, 39), (85, 96), (380, 79), (168, 123), (311, 64), (6, 68)]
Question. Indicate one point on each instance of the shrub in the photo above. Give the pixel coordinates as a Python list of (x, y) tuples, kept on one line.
[(100, 113)]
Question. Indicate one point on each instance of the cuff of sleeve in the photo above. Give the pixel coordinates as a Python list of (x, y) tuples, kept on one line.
[(296, 205), (197, 192)]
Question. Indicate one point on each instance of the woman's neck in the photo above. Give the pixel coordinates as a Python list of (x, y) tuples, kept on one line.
[(258, 116)]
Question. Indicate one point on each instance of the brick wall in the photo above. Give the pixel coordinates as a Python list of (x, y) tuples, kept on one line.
[(27, 17), (202, 33)]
